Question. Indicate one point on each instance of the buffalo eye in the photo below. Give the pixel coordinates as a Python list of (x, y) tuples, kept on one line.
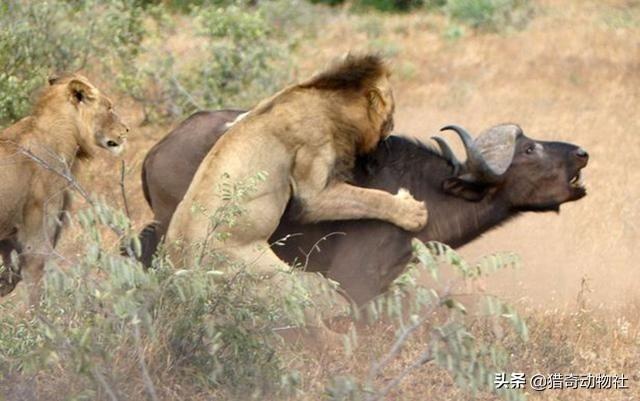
[(530, 148)]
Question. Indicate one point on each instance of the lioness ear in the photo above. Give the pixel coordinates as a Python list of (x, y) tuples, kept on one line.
[(80, 91), (53, 79), (462, 188)]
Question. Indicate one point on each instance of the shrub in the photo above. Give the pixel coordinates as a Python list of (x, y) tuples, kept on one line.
[(123, 41), (381, 5), (219, 74), (491, 14), (438, 321), (42, 38), (390, 5), (109, 329), (105, 321)]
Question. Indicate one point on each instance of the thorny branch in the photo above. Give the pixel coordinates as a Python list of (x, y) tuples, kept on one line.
[(122, 189), (66, 346), (425, 357), (67, 175), (148, 383)]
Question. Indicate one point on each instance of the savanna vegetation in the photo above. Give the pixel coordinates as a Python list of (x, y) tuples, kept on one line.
[(107, 329)]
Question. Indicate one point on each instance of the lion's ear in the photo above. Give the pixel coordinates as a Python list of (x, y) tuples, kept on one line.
[(80, 92), (376, 101), (53, 79)]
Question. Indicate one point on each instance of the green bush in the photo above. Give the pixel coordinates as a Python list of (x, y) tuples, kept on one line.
[(491, 14), (381, 5), (107, 328), (244, 55), (390, 5), (244, 51), (38, 39), (104, 315), (450, 337)]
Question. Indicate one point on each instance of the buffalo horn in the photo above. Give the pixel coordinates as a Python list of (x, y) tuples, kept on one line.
[(448, 154), (476, 164)]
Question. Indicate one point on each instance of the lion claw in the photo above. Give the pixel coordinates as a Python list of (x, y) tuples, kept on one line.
[(411, 214)]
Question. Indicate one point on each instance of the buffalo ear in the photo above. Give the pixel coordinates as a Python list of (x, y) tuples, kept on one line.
[(461, 188)]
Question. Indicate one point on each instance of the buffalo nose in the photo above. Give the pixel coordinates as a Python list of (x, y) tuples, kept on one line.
[(582, 156)]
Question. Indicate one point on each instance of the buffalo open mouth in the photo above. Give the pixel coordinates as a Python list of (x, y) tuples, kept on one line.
[(576, 186)]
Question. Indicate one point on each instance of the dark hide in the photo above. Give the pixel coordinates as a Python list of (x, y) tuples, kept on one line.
[(365, 256)]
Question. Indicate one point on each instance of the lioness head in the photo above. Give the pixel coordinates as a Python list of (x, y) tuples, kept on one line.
[(96, 123)]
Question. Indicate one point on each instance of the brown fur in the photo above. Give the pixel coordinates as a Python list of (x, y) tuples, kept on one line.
[(355, 78), (305, 138), (369, 254), (71, 119)]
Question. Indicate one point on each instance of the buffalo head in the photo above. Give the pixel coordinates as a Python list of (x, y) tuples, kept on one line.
[(528, 174)]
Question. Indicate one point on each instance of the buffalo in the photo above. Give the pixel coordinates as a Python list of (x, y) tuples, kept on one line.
[(505, 173)]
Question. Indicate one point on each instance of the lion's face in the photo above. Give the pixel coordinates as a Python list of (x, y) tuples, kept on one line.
[(98, 124), (385, 106)]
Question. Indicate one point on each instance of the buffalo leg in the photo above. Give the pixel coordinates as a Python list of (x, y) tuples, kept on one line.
[(10, 275), (150, 237)]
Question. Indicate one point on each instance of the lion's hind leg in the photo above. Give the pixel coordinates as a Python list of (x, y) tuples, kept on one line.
[(276, 281)]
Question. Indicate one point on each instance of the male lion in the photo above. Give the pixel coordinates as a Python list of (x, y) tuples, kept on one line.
[(70, 120), (305, 138)]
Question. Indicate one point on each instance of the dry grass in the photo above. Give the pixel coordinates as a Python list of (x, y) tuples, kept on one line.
[(573, 74)]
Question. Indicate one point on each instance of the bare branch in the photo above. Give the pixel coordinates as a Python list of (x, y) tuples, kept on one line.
[(122, 190), (148, 383), (65, 346), (99, 377), (67, 175), (316, 247), (425, 357), (376, 368)]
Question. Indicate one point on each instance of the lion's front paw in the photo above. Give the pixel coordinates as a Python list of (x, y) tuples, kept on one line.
[(410, 213)]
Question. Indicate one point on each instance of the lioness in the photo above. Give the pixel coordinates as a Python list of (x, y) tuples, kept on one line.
[(71, 119), (305, 139)]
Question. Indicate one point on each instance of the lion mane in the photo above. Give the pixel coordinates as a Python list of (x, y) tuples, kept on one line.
[(350, 78)]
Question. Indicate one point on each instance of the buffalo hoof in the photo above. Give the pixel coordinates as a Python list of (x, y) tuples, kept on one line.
[(8, 280)]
